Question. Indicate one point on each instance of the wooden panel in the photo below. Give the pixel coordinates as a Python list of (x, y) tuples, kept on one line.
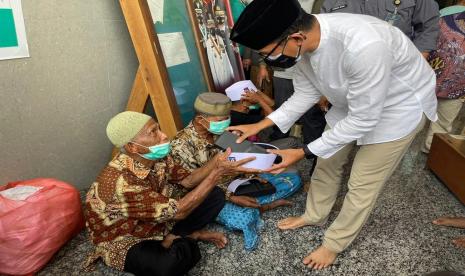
[(139, 96), (447, 160), (152, 68)]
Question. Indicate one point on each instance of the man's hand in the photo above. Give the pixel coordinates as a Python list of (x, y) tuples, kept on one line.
[(226, 167), (323, 103), (246, 63), (245, 201), (425, 55), (289, 157), (262, 75), (245, 131), (252, 97)]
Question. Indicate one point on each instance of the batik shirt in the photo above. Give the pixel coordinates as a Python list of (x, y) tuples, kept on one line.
[(193, 151), (129, 203), (448, 61)]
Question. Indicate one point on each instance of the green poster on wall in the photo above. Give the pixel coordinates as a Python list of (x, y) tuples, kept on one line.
[(8, 36), (13, 43)]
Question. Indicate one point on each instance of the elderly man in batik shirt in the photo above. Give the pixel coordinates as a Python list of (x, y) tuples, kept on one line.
[(193, 147), (144, 213)]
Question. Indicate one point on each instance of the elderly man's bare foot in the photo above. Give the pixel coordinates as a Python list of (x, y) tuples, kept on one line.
[(217, 238), (168, 240), (291, 223), (275, 204), (320, 258), (459, 242), (450, 221)]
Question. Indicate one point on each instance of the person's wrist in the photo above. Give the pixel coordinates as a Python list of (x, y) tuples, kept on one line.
[(305, 151), (217, 171), (267, 122)]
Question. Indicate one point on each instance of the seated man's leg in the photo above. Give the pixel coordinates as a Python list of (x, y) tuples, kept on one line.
[(202, 215), (205, 213), (151, 258)]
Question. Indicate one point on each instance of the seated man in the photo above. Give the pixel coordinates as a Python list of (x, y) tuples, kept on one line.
[(139, 216), (193, 147)]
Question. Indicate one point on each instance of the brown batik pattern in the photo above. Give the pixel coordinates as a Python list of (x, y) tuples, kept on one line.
[(130, 203)]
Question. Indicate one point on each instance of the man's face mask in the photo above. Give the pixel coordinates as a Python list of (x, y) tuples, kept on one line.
[(254, 107), (281, 60), (218, 127), (156, 152)]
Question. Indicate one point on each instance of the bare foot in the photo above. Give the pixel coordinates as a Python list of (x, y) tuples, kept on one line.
[(168, 240), (217, 238), (459, 242), (320, 258), (449, 221), (275, 204), (291, 223)]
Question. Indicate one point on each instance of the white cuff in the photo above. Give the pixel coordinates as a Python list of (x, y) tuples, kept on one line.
[(320, 149), (281, 120)]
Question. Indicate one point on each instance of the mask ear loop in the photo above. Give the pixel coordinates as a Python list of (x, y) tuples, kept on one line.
[(300, 46), (205, 119)]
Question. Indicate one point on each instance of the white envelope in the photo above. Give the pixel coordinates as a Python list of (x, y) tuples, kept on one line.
[(236, 183), (262, 161), (235, 91)]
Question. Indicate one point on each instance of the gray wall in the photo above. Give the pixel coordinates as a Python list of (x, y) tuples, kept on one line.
[(54, 105)]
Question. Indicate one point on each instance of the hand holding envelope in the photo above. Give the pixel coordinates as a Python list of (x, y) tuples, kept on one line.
[(262, 160), (236, 91), (229, 167), (289, 157)]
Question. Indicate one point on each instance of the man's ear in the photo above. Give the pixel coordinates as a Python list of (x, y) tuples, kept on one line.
[(299, 37), (131, 148), (197, 118)]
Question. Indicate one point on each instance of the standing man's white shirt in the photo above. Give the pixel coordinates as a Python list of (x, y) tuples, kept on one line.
[(377, 81)]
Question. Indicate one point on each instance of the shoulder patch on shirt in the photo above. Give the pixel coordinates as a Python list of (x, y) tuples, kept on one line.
[(338, 8)]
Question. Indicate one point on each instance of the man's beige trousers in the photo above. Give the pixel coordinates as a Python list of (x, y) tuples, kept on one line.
[(448, 110), (372, 167)]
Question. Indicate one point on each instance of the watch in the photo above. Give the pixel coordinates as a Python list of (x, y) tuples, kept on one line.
[(308, 153)]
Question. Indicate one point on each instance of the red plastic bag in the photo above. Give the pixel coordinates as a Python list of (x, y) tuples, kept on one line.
[(34, 229)]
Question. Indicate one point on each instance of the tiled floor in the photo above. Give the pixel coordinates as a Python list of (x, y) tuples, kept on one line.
[(398, 239)]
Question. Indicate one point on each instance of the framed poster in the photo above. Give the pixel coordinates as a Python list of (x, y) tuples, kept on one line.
[(212, 21), (13, 42), (177, 40)]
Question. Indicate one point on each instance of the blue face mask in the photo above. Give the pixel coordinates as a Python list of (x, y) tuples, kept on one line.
[(219, 127), (157, 151)]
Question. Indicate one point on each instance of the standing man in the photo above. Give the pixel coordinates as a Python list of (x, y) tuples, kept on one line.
[(379, 85), (417, 19), (313, 121)]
